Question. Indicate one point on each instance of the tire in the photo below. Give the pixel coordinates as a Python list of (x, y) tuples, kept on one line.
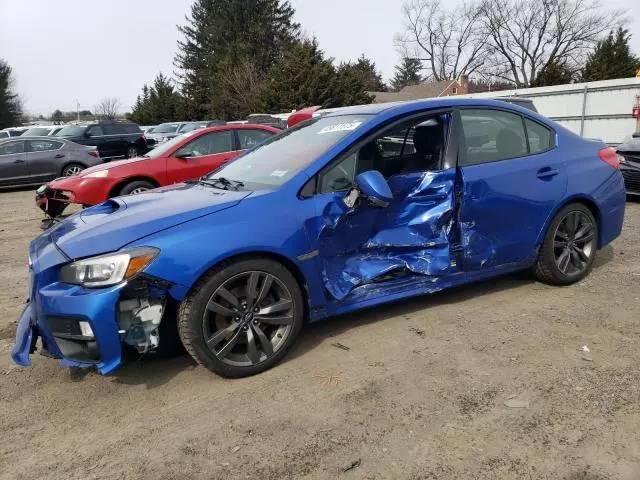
[(559, 240), (72, 169), (132, 152), (136, 187), (198, 323)]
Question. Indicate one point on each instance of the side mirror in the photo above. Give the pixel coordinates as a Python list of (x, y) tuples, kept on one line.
[(183, 155), (374, 188)]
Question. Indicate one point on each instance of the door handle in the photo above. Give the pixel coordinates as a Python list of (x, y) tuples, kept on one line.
[(59, 156), (18, 161), (547, 172)]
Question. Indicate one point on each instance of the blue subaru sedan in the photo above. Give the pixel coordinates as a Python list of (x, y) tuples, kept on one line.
[(358, 207)]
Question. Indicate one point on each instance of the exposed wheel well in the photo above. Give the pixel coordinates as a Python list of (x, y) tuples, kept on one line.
[(116, 190), (291, 266)]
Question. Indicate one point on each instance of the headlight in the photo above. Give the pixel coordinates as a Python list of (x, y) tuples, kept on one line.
[(98, 174), (110, 269)]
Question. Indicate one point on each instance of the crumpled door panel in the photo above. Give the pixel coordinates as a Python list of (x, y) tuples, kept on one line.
[(412, 235)]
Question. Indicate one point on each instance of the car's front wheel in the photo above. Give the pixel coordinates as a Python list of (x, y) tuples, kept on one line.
[(136, 187), (242, 318), (569, 247), (132, 152)]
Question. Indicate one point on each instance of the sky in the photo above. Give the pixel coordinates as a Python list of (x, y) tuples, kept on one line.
[(67, 50)]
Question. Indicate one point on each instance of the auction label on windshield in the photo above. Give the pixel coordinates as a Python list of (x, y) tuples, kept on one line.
[(340, 127)]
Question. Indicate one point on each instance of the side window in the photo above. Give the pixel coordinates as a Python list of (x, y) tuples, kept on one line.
[(10, 148), (251, 138), (340, 176), (95, 131), (208, 144), (492, 135), (540, 137), (110, 129), (44, 145)]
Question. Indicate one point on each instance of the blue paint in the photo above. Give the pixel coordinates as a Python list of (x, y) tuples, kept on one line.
[(440, 229)]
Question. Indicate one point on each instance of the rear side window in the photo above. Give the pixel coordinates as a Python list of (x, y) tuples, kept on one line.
[(10, 148), (131, 128), (111, 129), (208, 144), (44, 145), (251, 138), (492, 135), (95, 131), (541, 138)]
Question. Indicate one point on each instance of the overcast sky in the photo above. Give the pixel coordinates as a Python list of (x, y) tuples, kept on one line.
[(61, 50)]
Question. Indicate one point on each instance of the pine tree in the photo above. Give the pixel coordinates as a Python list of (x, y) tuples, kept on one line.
[(407, 73), (221, 33), (10, 105), (371, 78), (157, 104), (554, 73), (612, 58)]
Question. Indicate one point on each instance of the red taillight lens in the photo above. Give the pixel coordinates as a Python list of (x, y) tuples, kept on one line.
[(608, 155), (94, 153)]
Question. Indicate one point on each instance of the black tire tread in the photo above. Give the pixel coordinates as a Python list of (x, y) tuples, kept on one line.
[(134, 184)]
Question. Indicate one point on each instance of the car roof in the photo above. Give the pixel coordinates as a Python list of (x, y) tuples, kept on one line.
[(441, 102)]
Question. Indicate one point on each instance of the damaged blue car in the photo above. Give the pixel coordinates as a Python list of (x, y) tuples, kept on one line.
[(346, 210)]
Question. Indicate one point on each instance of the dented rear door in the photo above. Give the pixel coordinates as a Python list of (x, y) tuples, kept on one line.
[(507, 192)]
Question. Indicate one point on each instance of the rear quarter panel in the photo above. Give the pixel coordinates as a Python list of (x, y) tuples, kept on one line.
[(593, 182)]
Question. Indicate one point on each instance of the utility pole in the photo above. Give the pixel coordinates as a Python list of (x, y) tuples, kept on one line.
[(78, 109)]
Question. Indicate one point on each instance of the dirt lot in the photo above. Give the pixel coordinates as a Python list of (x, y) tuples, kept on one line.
[(429, 388)]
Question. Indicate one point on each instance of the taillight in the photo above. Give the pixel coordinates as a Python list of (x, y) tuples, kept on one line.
[(608, 155), (94, 153)]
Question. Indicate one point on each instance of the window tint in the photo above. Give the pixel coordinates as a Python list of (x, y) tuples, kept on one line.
[(167, 128), (131, 128), (540, 137), (492, 135), (110, 129), (208, 144), (95, 131), (340, 176), (4, 134), (44, 145), (37, 132), (251, 138), (72, 131), (9, 148)]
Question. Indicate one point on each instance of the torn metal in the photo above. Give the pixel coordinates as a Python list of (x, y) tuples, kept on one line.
[(365, 245)]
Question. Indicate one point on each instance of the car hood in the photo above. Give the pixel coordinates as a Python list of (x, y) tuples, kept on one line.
[(117, 222), (112, 165), (632, 146)]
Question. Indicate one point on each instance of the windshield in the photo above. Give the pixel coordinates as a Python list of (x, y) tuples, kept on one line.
[(278, 159), (167, 128), (71, 131), (37, 132), (163, 148)]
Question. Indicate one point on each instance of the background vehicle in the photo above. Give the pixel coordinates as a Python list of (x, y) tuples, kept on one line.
[(112, 139), (520, 101), (10, 132), (31, 160), (147, 128), (321, 220), (183, 158), (169, 130), (629, 154), (42, 130)]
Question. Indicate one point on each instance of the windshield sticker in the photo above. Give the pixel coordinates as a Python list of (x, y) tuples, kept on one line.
[(279, 173), (340, 127)]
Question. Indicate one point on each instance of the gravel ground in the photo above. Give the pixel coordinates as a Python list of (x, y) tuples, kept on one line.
[(488, 381)]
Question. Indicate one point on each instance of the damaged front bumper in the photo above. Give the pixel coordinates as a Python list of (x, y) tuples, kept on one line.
[(52, 202), (89, 327)]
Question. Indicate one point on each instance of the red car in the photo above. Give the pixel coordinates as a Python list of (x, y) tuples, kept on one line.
[(189, 156)]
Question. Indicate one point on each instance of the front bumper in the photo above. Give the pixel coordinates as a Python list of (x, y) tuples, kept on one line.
[(54, 197), (54, 313)]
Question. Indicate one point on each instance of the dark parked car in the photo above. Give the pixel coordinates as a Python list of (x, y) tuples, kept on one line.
[(113, 140), (629, 156), (32, 160)]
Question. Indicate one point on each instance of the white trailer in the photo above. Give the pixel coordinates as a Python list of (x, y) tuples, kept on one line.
[(600, 110)]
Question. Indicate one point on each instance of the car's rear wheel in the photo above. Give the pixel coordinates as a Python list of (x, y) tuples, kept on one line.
[(569, 247), (242, 318), (136, 187), (132, 152), (72, 169)]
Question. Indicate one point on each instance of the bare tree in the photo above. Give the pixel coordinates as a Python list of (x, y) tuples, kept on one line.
[(108, 108), (241, 87), (449, 42), (526, 36)]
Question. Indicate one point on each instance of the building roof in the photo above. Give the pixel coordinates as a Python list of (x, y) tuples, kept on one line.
[(414, 92)]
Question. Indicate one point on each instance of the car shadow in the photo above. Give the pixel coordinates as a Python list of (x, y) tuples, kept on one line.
[(154, 371)]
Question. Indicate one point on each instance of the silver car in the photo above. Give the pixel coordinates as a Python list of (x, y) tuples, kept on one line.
[(42, 130), (34, 160)]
